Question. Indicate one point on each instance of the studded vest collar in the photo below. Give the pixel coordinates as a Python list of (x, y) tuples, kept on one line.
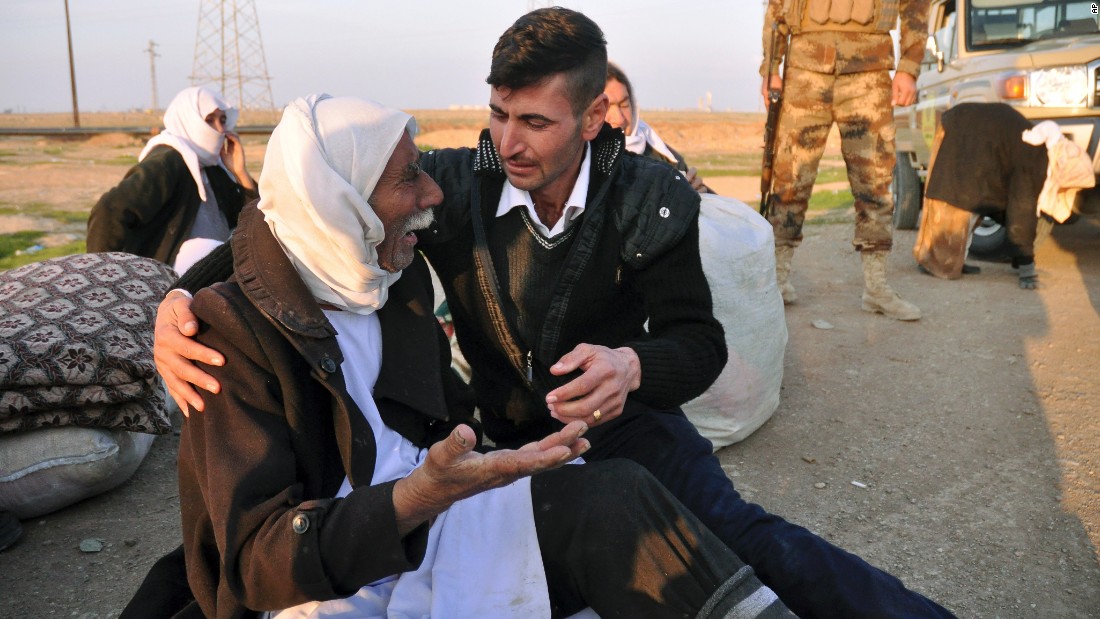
[(607, 148)]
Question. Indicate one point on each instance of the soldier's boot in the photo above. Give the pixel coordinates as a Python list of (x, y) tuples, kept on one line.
[(783, 255), (878, 296)]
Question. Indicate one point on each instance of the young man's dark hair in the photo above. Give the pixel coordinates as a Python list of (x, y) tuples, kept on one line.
[(615, 73), (549, 41)]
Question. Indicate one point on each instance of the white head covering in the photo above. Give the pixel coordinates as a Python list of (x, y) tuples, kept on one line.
[(642, 134), (322, 164), (185, 130), (1069, 170)]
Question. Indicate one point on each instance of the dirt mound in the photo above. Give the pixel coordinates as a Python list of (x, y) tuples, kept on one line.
[(114, 140), (710, 137), (686, 132), (448, 138)]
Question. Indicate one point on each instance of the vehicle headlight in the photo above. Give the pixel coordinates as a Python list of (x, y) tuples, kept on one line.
[(1060, 87)]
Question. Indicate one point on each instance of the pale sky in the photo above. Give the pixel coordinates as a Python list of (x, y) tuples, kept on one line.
[(410, 54)]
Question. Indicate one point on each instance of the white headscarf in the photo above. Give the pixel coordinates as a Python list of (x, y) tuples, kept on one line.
[(643, 134), (185, 130), (322, 164)]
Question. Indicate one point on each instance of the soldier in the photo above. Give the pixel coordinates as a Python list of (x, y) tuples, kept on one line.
[(837, 70)]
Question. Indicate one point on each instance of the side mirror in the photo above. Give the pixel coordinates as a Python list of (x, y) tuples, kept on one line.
[(932, 53)]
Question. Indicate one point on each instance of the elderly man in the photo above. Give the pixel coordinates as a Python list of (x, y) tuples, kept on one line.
[(554, 251), (335, 474)]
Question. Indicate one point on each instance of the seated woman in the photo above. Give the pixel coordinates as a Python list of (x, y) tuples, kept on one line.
[(641, 139), (335, 474), (182, 198)]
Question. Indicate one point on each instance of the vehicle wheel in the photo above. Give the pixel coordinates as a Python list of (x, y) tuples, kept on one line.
[(1088, 202), (908, 193), (989, 240)]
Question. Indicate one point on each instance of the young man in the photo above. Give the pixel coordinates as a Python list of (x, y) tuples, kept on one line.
[(554, 250)]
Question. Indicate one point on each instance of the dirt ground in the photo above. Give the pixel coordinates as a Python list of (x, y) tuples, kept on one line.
[(960, 453)]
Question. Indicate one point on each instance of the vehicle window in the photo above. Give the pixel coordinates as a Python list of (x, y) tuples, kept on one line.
[(1008, 23)]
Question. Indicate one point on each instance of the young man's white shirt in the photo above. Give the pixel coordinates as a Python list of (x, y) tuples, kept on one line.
[(511, 198)]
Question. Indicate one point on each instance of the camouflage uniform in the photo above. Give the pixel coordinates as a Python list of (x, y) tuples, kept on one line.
[(838, 70)]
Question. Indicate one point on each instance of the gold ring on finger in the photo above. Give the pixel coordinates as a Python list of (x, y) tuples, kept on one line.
[(596, 415)]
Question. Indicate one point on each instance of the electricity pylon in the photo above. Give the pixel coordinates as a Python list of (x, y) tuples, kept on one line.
[(229, 54)]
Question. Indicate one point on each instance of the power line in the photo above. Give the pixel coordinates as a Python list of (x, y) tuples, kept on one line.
[(153, 55), (72, 66)]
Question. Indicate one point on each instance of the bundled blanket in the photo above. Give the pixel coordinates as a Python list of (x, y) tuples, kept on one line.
[(76, 344)]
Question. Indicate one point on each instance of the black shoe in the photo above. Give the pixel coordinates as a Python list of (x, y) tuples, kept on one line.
[(10, 529), (968, 269)]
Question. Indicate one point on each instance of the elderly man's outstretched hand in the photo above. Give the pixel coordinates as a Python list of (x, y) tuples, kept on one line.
[(453, 471), (175, 350)]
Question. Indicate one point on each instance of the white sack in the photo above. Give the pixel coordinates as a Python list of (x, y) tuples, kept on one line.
[(46, 469), (737, 249)]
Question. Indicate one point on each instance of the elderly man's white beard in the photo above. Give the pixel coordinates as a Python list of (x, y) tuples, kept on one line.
[(420, 221)]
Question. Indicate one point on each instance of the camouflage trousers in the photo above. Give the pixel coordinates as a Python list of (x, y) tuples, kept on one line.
[(859, 104)]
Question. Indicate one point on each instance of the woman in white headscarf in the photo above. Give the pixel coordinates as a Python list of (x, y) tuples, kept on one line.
[(641, 139), (182, 198)]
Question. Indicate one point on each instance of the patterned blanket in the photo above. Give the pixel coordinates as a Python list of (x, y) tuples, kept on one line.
[(76, 343)]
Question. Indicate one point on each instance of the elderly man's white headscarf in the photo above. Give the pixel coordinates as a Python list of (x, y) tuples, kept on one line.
[(185, 130), (322, 164)]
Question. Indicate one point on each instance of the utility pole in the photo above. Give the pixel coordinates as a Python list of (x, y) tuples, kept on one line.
[(153, 71), (72, 68), (229, 54)]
